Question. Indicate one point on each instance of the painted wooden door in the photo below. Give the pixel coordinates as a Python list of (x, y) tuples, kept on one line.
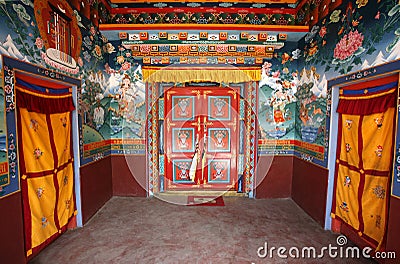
[(201, 134)]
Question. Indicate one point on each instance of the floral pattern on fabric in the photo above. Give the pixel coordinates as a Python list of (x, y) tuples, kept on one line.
[(37, 153), (379, 192)]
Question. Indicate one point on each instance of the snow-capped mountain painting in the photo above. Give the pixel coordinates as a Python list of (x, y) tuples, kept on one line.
[(395, 52), (323, 86), (9, 48), (319, 88), (365, 65), (379, 60)]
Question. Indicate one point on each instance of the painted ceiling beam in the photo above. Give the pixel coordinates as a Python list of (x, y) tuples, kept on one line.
[(205, 1), (277, 28)]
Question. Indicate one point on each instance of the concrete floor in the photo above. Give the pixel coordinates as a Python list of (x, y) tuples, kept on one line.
[(140, 230)]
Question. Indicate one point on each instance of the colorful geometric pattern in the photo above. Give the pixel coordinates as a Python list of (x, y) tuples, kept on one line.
[(205, 18)]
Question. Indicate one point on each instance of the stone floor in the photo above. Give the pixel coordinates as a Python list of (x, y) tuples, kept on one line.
[(148, 230)]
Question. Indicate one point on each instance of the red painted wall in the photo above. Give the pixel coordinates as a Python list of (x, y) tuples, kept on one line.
[(274, 177), (309, 187), (129, 175), (96, 186), (11, 230)]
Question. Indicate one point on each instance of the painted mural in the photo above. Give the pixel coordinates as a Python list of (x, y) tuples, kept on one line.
[(353, 38), (277, 103), (29, 39)]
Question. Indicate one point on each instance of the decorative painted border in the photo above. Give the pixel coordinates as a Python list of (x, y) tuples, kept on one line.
[(13, 183)]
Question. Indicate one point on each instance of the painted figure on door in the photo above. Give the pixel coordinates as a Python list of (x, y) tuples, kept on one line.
[(183, 170), (183, 140), (219, 135), (219, 104), (219, 168), (183, 106)]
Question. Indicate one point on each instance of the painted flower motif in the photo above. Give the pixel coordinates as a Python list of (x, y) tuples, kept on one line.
[(67, 204), (344, 207), (285, 58), (267, 67), (109, 48), (378, 221), (7, 89), (276, 74), (108, 69), (120, 59), (286, 84), (126, 66), (312, 50), (379, 192), (80, 62), (37, 153), (379, 122), (348, 45), (296, 54), (379, 151), (92, 31), (347, 181), (97, 52), (34, 124), (39, 192), (349, 123), (285, 70), (322, 32), (39, 43), (45, 222), (348, 147), (335, 16), (361, 3)]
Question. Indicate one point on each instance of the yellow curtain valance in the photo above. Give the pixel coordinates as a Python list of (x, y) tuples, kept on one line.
[(201, 74)]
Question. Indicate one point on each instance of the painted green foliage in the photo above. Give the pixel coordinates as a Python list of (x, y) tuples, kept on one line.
[(357, 35), (352, 32)]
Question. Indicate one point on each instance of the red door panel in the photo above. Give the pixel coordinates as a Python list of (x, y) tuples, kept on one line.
[(201, 138)]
